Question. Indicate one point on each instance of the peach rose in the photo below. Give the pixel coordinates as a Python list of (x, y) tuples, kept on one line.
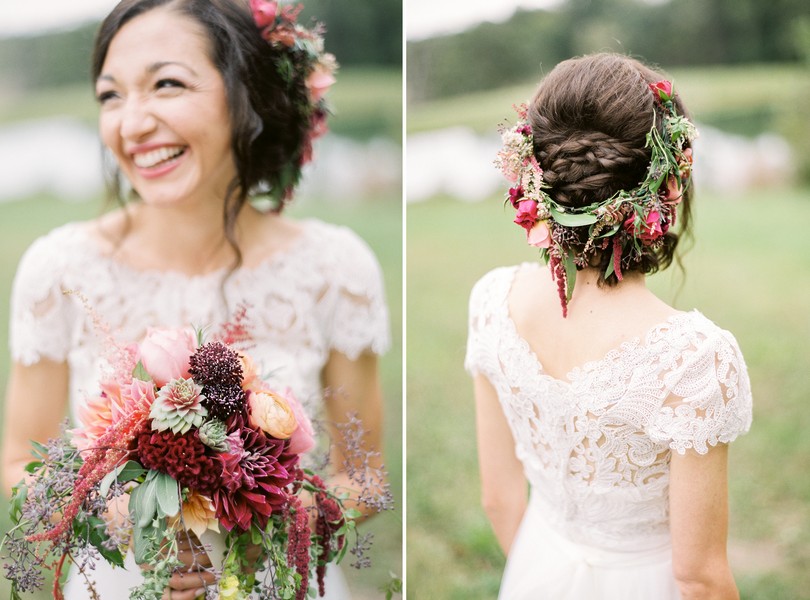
[(539, 235), (250, 377), (319, 81), (165, 354), (271, 413), (198, 515)]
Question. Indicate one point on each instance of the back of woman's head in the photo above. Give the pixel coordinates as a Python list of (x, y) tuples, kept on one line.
[(270, 114), (590, 118)]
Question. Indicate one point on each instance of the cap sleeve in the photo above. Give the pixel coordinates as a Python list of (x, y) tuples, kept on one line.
[(359, 319), (709, 399), (39, 322), (482, 337)]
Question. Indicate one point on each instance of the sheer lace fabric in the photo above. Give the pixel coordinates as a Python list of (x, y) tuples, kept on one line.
[(596, 447), (322, 293)]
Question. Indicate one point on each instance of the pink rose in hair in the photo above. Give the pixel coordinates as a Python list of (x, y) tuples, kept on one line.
[(165, 354), (319, 81), (264, 12), (526, 214), (653, 228), (663, 89), (539, 236)]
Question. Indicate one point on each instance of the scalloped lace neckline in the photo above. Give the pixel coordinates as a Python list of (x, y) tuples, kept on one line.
[(93, 248), (653, 333)]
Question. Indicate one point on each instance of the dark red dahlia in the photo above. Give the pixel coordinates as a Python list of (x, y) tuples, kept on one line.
[(184, 457), (255, 476), (223, 401), (216, 364)]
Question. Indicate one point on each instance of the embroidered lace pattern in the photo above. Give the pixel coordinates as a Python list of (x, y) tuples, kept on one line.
[(323, 292), (597, 446)]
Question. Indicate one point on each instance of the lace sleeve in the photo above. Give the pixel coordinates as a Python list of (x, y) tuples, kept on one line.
[(482, 340), (39, 325), (709, 399), (359, 319)]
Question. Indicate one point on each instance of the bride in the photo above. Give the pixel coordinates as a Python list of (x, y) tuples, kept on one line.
[(203, 103), (616, 408)]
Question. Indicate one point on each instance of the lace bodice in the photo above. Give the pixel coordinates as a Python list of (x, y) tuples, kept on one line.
[(324, 292), (597, 446)]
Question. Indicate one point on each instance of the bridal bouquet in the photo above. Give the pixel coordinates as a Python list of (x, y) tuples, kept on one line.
[(186, 436)]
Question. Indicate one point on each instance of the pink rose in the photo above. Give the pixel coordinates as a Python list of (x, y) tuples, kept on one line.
[(165, 354), (653, 228), (271, 413), (264, 12), (319, 81), (539, 236), (662, 89), (303, 438), (526, 214)]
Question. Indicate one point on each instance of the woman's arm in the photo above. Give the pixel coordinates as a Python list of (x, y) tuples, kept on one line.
[(36, 404), (354, 388), (698, 508), (503, 484)]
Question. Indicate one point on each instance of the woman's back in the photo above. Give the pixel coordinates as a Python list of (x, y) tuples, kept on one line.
[(595, 440)]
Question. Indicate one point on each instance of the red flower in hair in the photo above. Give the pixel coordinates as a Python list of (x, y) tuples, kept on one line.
[(264, 12), (662, 89)]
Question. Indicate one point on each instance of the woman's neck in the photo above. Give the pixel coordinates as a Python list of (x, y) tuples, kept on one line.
[(174, 238)]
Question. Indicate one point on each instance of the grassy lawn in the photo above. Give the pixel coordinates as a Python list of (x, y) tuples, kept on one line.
[(748, 271), (379, 222)]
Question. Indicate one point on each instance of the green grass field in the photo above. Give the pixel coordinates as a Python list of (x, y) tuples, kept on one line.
[(749, 271)]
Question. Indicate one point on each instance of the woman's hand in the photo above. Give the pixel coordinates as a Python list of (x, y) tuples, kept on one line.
[(190, 581)]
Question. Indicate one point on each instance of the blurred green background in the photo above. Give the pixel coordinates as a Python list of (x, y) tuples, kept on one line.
[(742, 67), (45, 75)]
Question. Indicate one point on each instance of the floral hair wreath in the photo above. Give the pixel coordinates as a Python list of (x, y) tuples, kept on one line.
[(630, 221), (301, 58)]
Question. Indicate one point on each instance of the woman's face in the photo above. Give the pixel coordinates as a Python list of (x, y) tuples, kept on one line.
[(164, 113)]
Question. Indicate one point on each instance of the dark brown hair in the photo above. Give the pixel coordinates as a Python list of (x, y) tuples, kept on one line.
[(590, 118), (268, 115)]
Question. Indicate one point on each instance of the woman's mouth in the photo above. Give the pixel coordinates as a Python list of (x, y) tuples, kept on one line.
[(157, 158)]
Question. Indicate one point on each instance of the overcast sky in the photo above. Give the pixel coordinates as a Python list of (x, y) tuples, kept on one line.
[(423, 18), (27, 16)]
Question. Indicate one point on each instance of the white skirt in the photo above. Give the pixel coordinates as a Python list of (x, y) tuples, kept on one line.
[(544, 565)]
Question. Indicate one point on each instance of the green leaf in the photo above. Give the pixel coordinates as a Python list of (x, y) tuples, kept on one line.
[(139, 372), (33, 466), (570, 274), (352, 514), (143, 500), (126, 472), (20, 493), (572, 220), (168, 495)]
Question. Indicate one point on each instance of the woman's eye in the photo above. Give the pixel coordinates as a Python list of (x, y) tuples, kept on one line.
[(169, 83), (103, 97)]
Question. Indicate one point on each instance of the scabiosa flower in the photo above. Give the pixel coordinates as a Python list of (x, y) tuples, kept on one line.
[(223, 401), (214, 434), (178, 407), (254, 477), (216, 364), (184, 457)]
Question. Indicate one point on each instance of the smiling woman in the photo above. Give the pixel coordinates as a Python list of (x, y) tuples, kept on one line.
[(206, 105)]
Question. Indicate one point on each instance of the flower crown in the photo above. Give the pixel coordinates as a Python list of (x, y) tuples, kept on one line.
[(301, 58), (630, 222)]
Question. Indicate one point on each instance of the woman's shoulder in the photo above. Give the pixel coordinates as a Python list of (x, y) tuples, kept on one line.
[(337, 248), (54, 249), (703, 331), (496, 284)]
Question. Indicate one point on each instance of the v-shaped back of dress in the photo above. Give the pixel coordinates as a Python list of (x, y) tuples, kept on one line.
[(596, 447)]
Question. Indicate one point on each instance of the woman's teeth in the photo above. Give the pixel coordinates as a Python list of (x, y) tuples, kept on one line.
[(153, 158)]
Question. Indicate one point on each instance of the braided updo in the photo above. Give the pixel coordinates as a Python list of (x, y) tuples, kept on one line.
[(590, 118)]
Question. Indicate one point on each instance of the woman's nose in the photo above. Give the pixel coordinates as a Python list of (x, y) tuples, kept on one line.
[(137, 120)]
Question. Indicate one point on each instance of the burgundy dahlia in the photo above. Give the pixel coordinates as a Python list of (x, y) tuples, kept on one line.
[(184, 457), (216, 364), (255, 476), (223, 401)]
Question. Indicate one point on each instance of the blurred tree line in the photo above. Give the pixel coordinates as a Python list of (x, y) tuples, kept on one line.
[(359, 32), (671, 33)]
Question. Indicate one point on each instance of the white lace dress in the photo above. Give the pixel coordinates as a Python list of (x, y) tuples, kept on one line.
[(324, 292), (596, 447)]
